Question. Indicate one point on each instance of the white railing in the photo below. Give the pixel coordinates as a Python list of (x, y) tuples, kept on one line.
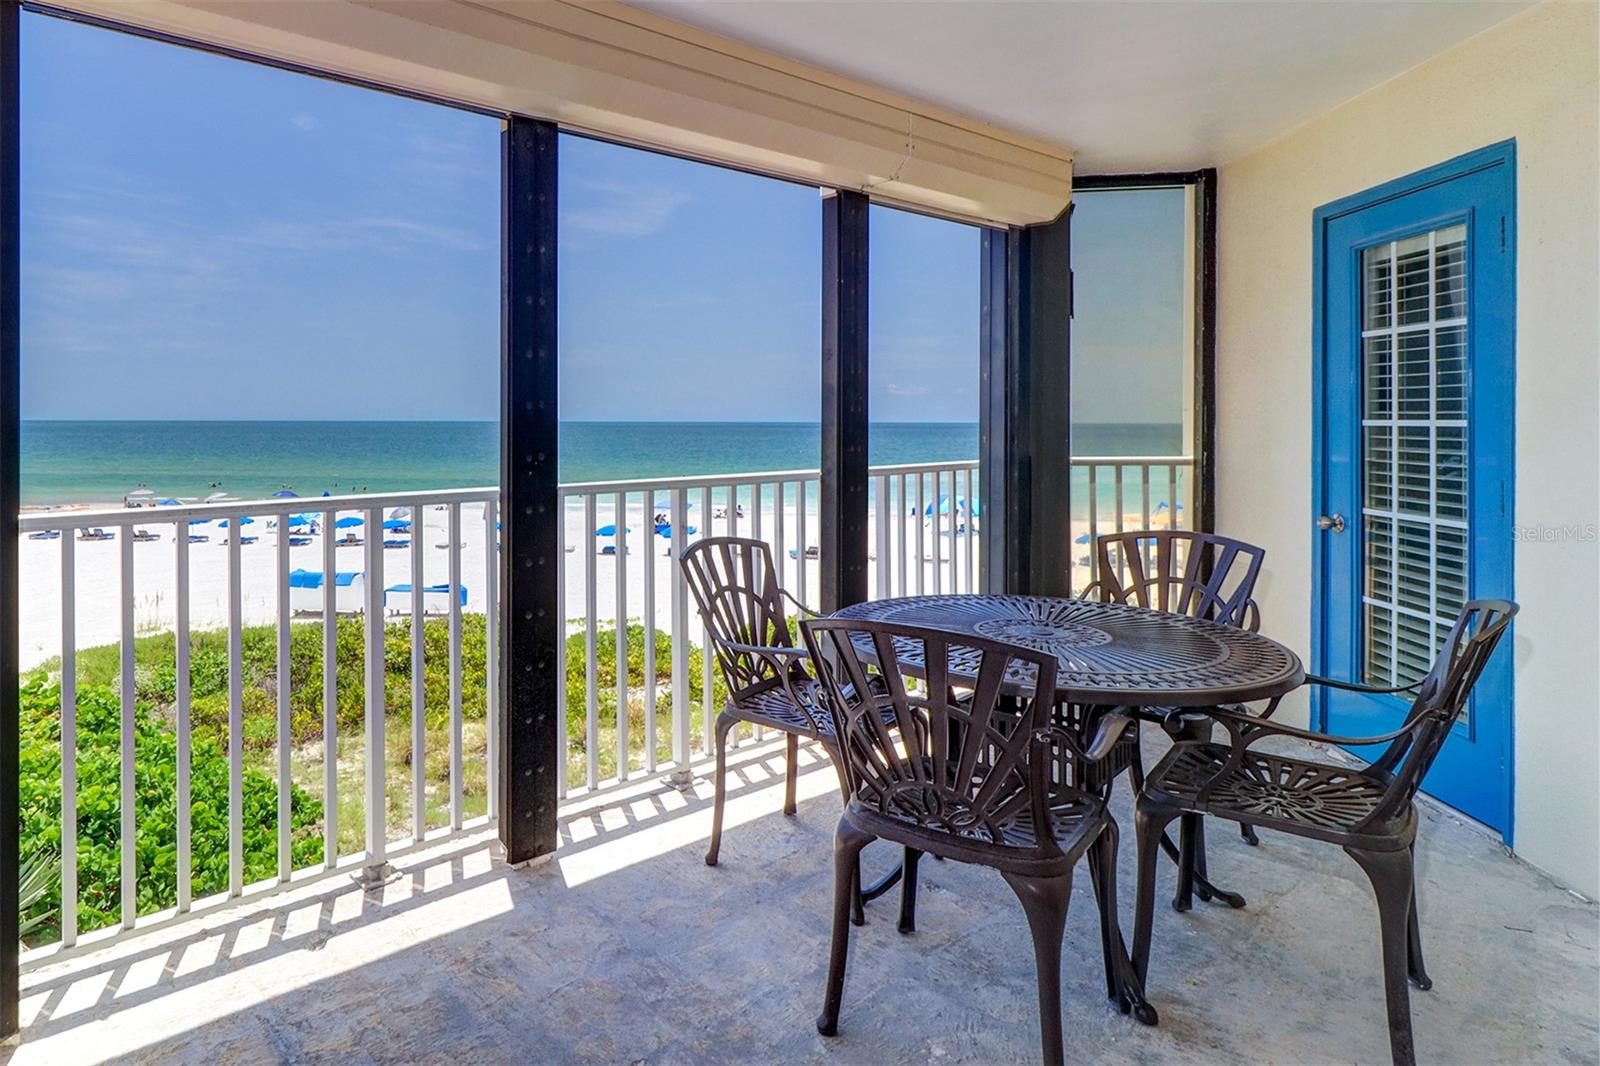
[(925, 536), (1115, 493), (300, 596)]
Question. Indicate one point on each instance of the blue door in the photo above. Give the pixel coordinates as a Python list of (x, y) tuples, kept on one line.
[(1414, 398)]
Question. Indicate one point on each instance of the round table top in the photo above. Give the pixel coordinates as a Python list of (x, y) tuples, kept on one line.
[(1110, 653)]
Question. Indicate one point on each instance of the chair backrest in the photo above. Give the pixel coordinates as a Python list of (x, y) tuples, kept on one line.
[(963, 765), (736, 587), (1197, 574), (1441, 699)]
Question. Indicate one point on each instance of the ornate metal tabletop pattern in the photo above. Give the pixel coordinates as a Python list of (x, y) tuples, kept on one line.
[(1110, 653)]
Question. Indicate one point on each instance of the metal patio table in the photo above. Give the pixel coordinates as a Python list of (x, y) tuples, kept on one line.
[(1111, 655)]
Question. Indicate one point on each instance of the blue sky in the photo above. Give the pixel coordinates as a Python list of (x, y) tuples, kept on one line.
[(204, 238)]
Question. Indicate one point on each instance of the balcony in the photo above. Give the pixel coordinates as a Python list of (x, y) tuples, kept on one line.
[(627, 947), (428, 775)]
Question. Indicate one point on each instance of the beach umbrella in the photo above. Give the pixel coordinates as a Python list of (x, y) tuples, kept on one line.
[(397, 523), (665, 530), (243, 522), (961, 506), (1083, 538), (169, 503), (141, 493), (218, 497), (610, 530), (325, 492), (348, 521), (286, 494), (400, 512), (199, 521), (301, 519)]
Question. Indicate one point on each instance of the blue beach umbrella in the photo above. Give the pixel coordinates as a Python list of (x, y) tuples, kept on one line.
[(286, 494), (169, 503), (199, 521), (243, 522), (349, 521), (397, 523), (610, 530), (1083, 538), (301, 519), (665, 530)]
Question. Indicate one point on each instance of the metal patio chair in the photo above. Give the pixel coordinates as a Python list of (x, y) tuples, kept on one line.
[(977, 778), (742, 606), (1202, 575), (1370, 811)]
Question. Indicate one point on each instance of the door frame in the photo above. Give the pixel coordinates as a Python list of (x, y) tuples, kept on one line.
[(1501, 430)]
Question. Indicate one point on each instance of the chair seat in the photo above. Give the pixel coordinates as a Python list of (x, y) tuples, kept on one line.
[(1013, 841), (773, 709), (1271, 790)]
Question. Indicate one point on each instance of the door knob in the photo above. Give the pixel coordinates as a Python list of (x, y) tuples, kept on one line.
[(1334, 522)]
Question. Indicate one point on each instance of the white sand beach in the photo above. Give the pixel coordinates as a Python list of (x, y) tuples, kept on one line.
[(99, 586)]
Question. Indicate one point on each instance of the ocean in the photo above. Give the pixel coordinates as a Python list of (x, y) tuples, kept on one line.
[(100, 462)]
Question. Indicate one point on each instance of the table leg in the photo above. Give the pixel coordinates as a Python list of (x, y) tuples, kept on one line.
[(1190, 856)]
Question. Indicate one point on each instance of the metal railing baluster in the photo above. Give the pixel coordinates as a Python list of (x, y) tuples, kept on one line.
[(285, 740), (681, 725), (181, 698), (69, 749), (330, 695), (419, 699), (491, 652), (235, 710), (374, 802), (457, 784), (591, 690), (648, 573), (620, 513)]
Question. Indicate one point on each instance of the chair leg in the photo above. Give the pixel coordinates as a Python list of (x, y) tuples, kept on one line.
[(847, 844), (908, 891), (1149, 824), (1247, 833), (1189, 841), (858, 903), (1103, 876), (1419, 975), (725, 724), (1044, 901), (1391, 875), (792, 742)]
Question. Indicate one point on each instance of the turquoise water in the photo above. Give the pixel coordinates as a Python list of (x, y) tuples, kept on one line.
[(79, 462)]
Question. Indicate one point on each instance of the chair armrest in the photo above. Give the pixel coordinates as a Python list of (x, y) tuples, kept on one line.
[(802, 608), (1246, 729), (764, 651), (1351, 686), (1094, 590)]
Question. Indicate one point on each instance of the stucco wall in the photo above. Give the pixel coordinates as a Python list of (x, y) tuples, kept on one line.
[(1535, 78)]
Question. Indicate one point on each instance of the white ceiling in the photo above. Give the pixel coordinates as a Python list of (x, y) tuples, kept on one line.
[(1125, 86)]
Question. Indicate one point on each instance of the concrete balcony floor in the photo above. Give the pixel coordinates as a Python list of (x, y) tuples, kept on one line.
[(628, 949)]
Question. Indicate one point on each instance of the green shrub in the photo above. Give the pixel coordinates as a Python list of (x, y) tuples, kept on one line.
[(155, 807), (155, 680)]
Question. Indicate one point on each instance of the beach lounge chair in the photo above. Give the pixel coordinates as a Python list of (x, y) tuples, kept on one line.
[(199, 538), (145, 535), (396, 542), (435, 598), (349, 540), (45, 534), (305, 592), (298, 541), (95, 534)]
